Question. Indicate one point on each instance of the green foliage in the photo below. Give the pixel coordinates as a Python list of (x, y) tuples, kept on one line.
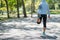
[(13, 4)]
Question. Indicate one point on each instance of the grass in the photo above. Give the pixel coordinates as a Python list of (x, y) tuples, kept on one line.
[(4, 17), (55, 11)]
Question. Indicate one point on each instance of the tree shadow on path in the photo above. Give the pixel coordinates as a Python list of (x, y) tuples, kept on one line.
[(49, 37)]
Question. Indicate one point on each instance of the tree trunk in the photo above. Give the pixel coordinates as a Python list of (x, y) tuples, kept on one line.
[(1, 7), (7, 8), (18, 9), (32, 7), (31, 10), (24, 10)]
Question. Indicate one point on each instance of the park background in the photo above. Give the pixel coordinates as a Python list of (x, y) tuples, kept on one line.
[(16, 8), (18, 20)]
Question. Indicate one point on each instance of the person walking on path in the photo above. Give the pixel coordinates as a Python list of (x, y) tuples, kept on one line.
[(43, 10)]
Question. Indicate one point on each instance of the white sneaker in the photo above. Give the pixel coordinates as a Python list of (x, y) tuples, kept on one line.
[(43, 34)]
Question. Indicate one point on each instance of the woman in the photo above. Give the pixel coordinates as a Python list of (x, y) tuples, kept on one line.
[(43, 10)]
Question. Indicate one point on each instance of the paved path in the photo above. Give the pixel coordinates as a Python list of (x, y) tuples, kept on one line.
[(28, 29)]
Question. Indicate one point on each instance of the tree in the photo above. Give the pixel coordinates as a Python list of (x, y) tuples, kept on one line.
[(12, 4), (24, 10), (7, 8), (1, 7), (52, 3), (32, 6), (18, 9)]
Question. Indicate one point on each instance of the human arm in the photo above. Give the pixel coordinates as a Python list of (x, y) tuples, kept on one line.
[(48, 12)]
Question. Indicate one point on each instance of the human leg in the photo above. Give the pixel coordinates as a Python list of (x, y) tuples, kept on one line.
[(44, 23), (39, 19)]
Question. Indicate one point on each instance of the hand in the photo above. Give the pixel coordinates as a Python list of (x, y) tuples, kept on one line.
[(48, 16)]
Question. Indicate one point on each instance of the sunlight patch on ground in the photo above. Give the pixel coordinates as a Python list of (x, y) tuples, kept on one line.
[(54, 24)]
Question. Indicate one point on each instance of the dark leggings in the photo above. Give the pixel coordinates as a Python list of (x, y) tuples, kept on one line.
[(44, 17)]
